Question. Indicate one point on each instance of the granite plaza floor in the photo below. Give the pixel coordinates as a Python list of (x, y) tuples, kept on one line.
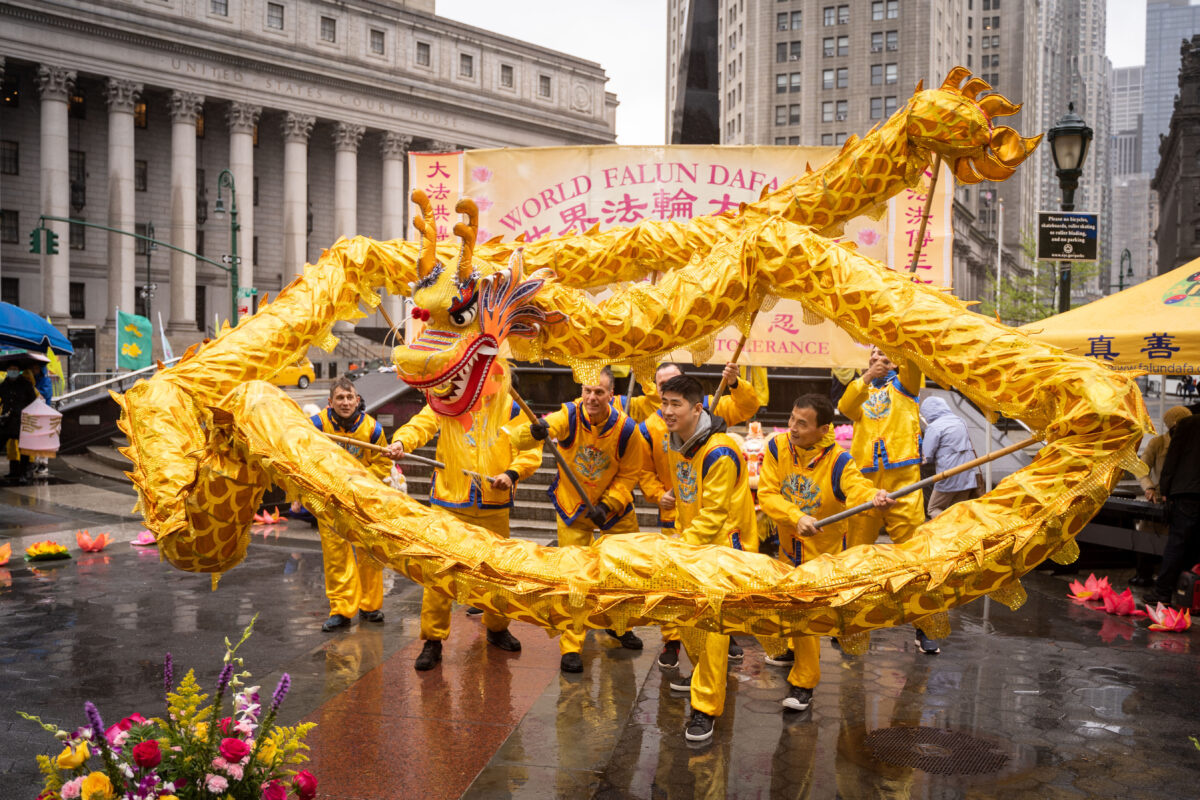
[(1051, 701)]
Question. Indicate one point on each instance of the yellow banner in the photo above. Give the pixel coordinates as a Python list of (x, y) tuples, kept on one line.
[(555, 191), (439, 175)]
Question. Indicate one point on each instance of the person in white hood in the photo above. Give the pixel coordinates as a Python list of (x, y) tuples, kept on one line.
[(946, 444)]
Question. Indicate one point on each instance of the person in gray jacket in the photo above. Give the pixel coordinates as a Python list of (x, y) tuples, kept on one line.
[(946, 444)]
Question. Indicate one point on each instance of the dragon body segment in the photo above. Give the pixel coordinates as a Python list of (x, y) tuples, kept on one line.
[(205, 438)]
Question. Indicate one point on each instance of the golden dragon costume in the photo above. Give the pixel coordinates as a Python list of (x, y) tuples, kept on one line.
[(207, 436)]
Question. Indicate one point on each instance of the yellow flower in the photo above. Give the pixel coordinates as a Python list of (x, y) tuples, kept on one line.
[(267, 751), (96, 786), (201, 730), (70, 759), (167, 797)]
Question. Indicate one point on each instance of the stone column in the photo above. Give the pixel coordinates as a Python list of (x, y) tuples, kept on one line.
[(393, 148), (55, 85), (296, 130), (346, 138), (122, 268), (242, 118), (184, 107)]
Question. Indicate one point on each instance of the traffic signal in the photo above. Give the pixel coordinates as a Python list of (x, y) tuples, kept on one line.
[(51, 242), (35, 240)]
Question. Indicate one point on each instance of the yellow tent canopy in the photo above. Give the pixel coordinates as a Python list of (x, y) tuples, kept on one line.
[(1152, 327)]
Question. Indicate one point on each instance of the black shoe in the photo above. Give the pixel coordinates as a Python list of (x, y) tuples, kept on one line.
[(1153, 597), (928, 646), (504, 640), (371, 616), (681, 683), (431, 656), (335, 623), (699, 728), (736, 653), (474, 612), (571, 662), (798, 699), (669, 657), (1141, 580), (783, 660), (629, 640)]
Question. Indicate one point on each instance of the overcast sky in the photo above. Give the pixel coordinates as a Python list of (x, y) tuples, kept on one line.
[(628, 38)]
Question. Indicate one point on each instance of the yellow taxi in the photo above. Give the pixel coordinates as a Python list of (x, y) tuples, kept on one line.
[(299, 374)]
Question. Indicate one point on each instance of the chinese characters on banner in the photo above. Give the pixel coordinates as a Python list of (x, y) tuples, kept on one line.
[(934, 265), (557, 191)]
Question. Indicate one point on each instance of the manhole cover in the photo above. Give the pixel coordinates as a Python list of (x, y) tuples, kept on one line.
[(936, 751)]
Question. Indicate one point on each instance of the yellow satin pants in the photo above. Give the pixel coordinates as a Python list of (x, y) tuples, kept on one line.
[(436, 607), (806, 669), (580, 533), (901, 520), (353, 580), (709, 654)]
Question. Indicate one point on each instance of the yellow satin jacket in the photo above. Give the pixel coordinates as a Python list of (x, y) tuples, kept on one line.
[(364, 428), (712, 494), (887, 420)]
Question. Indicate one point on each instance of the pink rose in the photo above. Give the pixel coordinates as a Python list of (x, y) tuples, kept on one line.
[(275, 790), (305, 784), (215, 783), (147, 755), (234, 750), (225, 726), (123, 726), (70, 789)]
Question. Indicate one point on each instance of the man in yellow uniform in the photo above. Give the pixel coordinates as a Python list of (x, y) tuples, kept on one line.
[(887, 448), (714, 506), (601, 445), (735, 408), (471, 501), (353, 581), (806, 477)]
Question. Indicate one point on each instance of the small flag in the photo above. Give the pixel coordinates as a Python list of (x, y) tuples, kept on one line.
[(168, 353), (134, 341)]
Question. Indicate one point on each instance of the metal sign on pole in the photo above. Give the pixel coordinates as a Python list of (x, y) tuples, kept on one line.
[(1067, 236)]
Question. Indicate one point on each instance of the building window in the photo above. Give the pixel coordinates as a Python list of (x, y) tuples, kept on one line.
[(78, 236), (781, 22), (377, 41), (256, 190), (986, 42), (843, 77), (200, 124), (794, 50), (828, 47), (995, 42), (794, 114), (843, 15), (827, 79), (10, 158), (780, 52), (328, 29), (201, 307), (219, 7), (140, 245), (889, 106), (77, 172), (506, 76), (779, 140), (797, 20), (11, 91), (877, 10), (200, 242), (254, 251), (827, 139), (77, 109), (827, 111), (890, 73), (843, 110), (839, 138), (893, 41), (877, 42), (466, 65), (877, 74), (795, 140), (794, 82), (893, 9), (75, 303), (781, 83), (423, 58), (140, 175), (781, 115), (10, 291), (829, 15), (10, 225), (139, 115), (876, 108), (275, 16), (543, 85)]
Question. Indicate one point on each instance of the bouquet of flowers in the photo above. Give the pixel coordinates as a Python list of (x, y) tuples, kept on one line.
[(192, 753)]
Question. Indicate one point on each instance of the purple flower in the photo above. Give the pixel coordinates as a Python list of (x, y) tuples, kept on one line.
[(93, 715), (223, 678), (285, 683), (168, 672)]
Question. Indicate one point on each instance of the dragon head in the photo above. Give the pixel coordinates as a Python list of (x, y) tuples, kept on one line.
[(466, 316), (957, 123)]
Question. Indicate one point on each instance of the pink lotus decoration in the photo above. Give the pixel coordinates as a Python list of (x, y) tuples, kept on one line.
[(483, 204), (1166, 618), (92, 545), (481, 174), (267, 517), (145, 538), (1123, 604), (1092, 589), (868, 237)]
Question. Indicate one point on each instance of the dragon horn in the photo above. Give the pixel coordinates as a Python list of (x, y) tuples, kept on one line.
[(427, 227), (973, 87), (467, 233), (516, 264), (955, 76)]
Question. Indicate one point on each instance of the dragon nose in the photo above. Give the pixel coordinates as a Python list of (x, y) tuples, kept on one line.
[(420, 313)]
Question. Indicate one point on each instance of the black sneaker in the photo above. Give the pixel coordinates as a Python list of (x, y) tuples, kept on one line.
[(472, 611), (669, 657), (571, 662), (371, 616), (336, 622), (798, 699), (504, 640), (736, 653), (785, 659), (927, 646), (629, 640), (681, 683), (699, 728), (431, 656)]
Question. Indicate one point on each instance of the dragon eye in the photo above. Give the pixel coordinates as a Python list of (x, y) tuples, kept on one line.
[(465, 315)]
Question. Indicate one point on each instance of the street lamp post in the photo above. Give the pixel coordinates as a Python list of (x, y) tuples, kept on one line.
[(1125, 270), (149, 286), (1069, 140), (225, 180)]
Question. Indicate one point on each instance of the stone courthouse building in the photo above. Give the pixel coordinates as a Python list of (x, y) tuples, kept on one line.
[(125, 112)]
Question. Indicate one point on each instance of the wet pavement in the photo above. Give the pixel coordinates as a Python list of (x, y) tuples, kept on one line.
[(1052, 701)]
